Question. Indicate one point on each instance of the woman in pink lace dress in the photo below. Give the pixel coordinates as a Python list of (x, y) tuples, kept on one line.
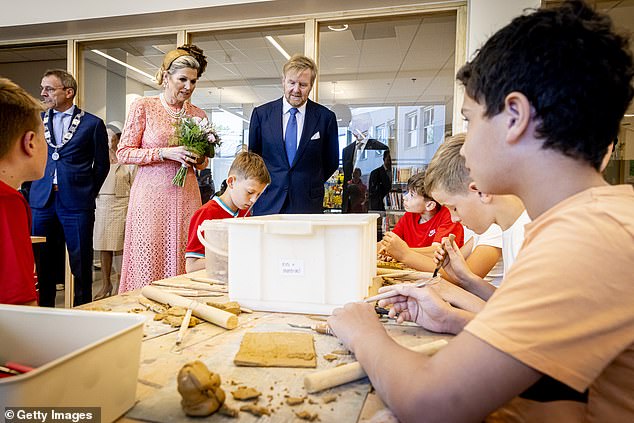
[(159, 212)]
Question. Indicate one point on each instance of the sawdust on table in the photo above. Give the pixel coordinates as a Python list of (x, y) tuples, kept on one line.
[(277, 349)]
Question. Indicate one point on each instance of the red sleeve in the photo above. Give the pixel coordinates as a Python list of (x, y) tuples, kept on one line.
[(17, 284), (193, 244), (446, 227)]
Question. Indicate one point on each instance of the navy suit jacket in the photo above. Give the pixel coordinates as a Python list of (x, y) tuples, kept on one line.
[(82, 166), (300, 184)]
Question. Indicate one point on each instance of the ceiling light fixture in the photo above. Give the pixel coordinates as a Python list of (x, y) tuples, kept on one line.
[(107, 56), (338, 28), (628, 115), (278, 47)]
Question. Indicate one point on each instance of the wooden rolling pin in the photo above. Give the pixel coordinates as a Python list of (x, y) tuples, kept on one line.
[(211, 314), (350, 372)]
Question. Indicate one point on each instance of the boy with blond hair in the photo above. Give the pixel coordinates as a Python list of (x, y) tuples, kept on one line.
[(544, 98), (248, 177), (22, 158), (483, 251), (448, 181)]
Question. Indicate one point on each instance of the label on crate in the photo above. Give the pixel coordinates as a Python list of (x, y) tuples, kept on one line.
[(291, 267)]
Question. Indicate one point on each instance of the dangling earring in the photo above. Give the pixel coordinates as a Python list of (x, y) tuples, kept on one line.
[(165, 83)]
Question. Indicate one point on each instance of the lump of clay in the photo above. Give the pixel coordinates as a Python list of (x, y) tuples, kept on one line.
[(174, 317), (305, 415), (295, 400), (230, 306), (256, 410), (244, 393), (200, 389)]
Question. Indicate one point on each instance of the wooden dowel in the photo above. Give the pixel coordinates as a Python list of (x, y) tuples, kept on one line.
[(211, 314), (350, 372)]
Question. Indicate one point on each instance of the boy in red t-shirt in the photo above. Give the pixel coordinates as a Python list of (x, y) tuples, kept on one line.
[(425, 222), (248, 177), (23, 153)]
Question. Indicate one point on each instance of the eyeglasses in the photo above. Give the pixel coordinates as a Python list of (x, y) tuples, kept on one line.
[(52, 89)]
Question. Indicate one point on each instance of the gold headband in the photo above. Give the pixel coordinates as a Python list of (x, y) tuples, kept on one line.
[(173, 55)]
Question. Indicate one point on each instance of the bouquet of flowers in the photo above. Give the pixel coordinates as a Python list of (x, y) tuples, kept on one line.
[(198, 136)]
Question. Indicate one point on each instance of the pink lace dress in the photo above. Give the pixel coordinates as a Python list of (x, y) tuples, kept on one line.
[(159, 212)]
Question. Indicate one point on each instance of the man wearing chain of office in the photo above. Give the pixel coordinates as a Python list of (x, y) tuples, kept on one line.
[(63, 201)]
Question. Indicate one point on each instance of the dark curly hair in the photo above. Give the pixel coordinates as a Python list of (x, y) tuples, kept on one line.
[(575, 70), (197, 53)]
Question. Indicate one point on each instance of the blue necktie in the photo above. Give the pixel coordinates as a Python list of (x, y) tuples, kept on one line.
[(291, 136)]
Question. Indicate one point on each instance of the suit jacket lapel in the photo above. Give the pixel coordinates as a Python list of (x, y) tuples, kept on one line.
[(277, 133)]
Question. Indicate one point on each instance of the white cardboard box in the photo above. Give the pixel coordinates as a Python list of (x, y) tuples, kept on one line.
[(305, 263), (81, 358)]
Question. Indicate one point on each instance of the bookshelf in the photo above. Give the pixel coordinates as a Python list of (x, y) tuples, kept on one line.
[(333, 189)]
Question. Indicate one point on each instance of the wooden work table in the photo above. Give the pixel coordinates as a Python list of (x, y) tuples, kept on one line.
[(158, 399)]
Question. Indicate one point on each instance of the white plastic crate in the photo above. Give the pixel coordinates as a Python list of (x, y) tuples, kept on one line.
[(307, 263), (81, 358)]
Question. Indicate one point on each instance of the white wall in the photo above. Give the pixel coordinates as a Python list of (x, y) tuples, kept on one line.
[(28, 75), (487, 16), (72, 10)]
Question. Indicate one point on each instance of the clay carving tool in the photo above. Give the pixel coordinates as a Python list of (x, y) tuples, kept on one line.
[(21, 368), (187, 292), (184, 326), (9, 371), (322, 328), (206, 280), (451, 239), (197, 286), (392, 293)]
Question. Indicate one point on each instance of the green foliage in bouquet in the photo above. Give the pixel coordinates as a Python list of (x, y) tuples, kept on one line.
[(197, 135)]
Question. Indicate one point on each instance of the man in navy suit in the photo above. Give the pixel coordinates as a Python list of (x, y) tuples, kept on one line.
[(63, 201), (298, 140)]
